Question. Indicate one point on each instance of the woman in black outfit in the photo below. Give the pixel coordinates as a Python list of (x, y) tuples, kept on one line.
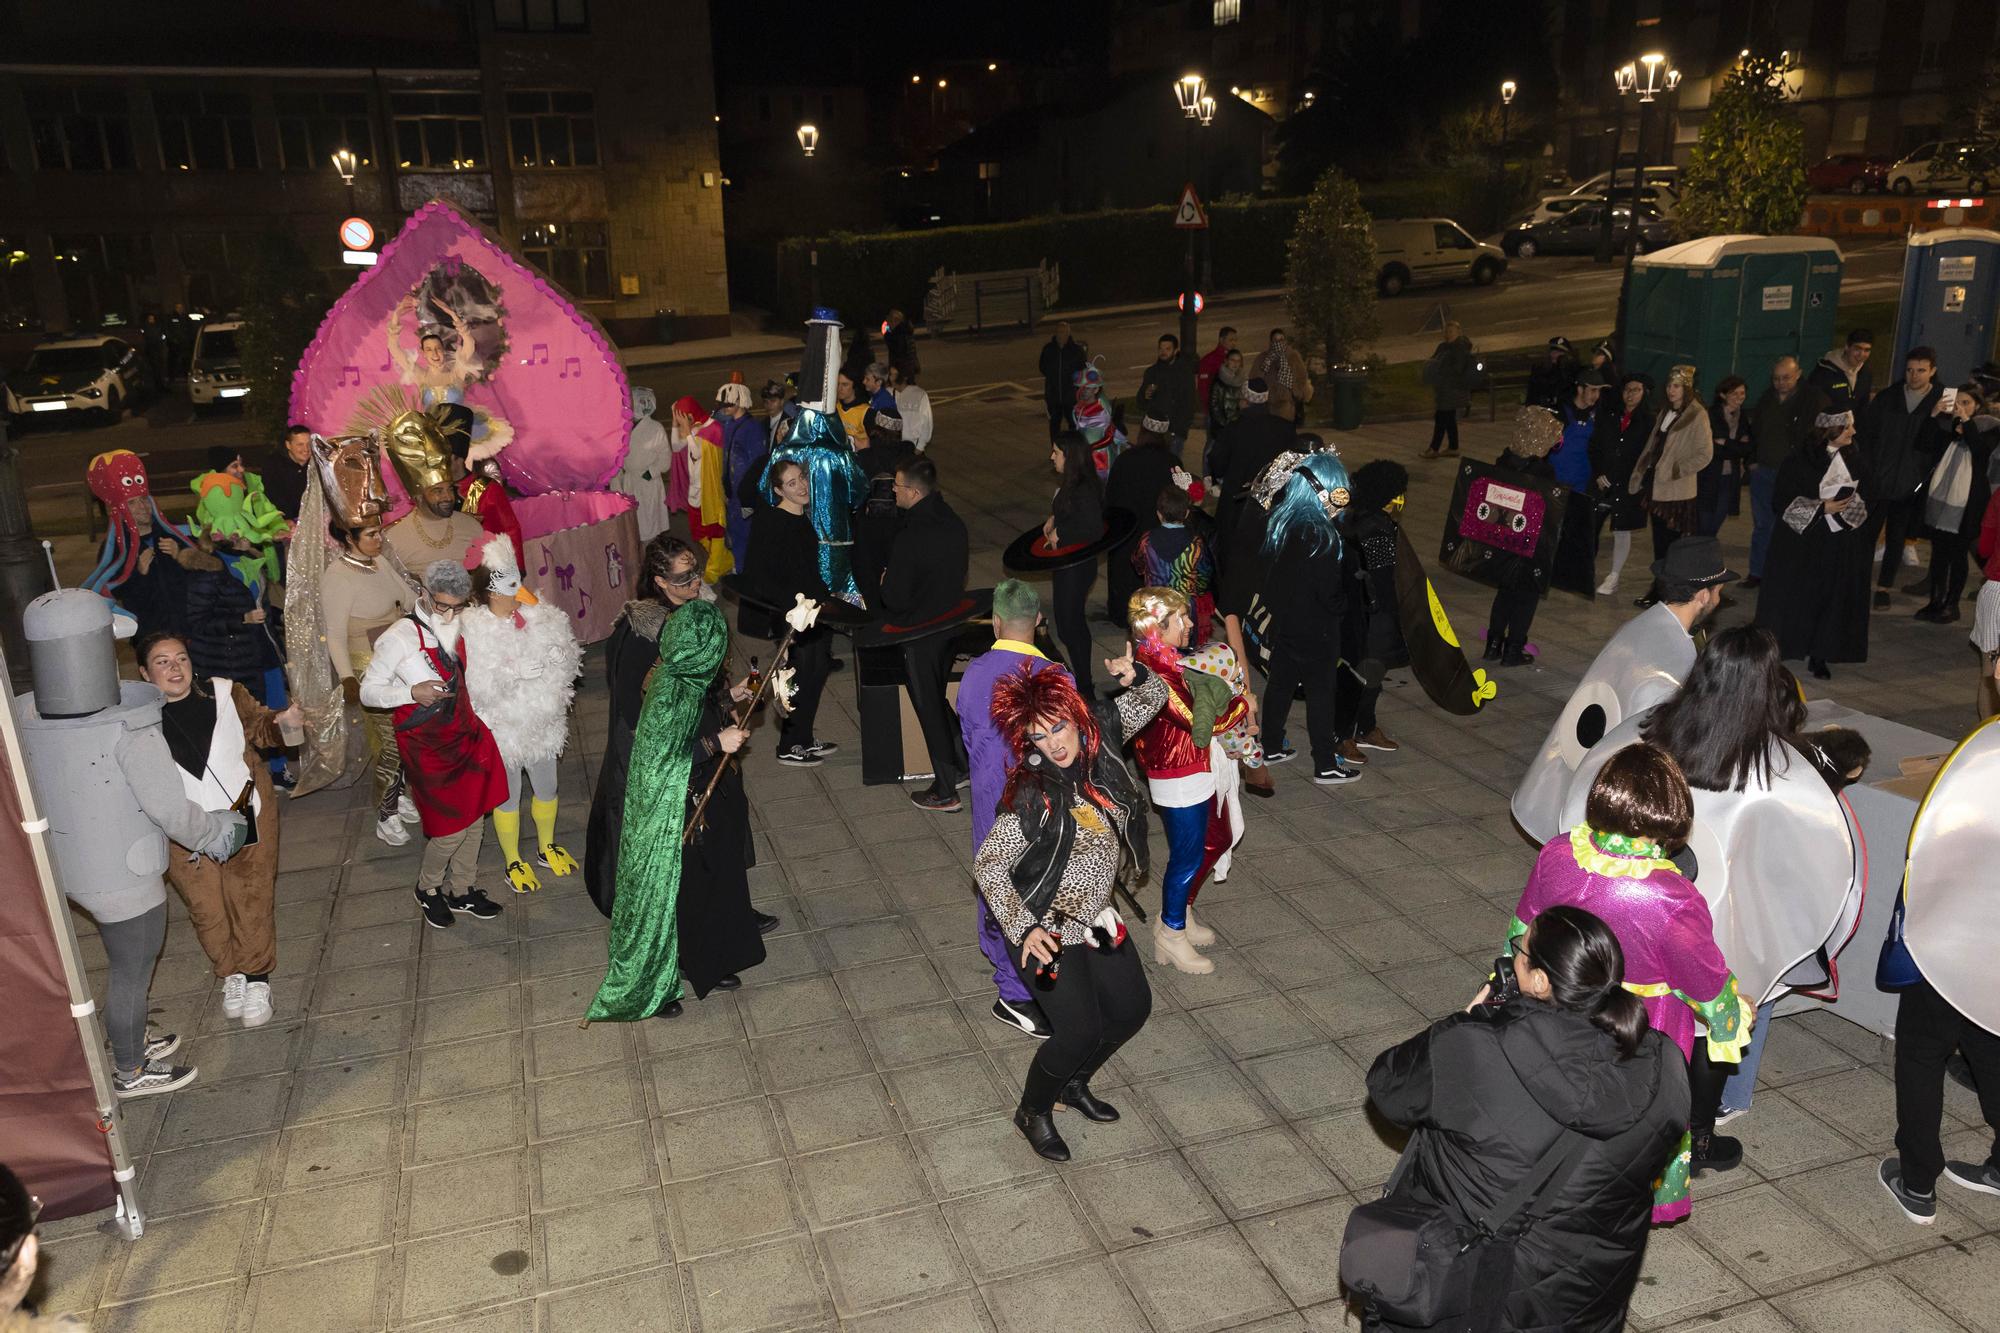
[(783, 563), (1076, 515), (1615, 447), (1815, 596), (1955, 503), (1719, 486), (1566, 1064)]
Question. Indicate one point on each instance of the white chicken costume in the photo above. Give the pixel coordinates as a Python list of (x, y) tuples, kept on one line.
[(520, 671)]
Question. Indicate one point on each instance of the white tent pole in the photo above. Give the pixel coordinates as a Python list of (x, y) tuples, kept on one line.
[(129, 1222)]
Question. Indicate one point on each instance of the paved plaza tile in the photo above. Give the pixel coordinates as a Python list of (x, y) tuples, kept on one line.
[(424, 1137)]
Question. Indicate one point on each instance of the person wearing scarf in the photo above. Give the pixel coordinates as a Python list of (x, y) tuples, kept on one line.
[(1955, 501), (1191, 782), (1815, 591)]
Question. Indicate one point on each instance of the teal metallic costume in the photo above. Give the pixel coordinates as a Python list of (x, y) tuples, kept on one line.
[(819, 442)]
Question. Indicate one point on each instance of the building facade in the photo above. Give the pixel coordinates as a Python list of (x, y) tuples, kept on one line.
[(143, 148)]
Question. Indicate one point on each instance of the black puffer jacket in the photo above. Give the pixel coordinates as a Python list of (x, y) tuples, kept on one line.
[(220, 640), (1491, 1091)]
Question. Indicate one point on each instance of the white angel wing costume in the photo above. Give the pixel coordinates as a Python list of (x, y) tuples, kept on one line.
[(1951, 886)]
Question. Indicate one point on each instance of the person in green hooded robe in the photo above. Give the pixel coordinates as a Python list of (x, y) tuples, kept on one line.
[(682, 734)]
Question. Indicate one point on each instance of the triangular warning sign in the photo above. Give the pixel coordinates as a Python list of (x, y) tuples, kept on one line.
[(1190, 215)]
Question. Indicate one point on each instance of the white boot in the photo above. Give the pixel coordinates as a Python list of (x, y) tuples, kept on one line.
[(1199, 936), (1172, 946)]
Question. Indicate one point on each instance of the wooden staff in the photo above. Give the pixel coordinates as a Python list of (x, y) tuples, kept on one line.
[(697, 820)]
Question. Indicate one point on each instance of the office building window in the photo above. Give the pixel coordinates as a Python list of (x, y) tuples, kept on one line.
[(1227, 12), (576, 254), (102, 276), (210, 263), (441, 131), (552, 129), (80, 129), (205, 131), (311, 126), (541, 15), (17, 286)]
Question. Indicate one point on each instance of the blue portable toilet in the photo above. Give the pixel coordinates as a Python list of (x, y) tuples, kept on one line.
[(1731, 305), (1951, 293)]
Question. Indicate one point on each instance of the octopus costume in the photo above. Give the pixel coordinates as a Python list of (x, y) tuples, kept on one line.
[(1671, 961), (522, 674), (1176, 752), (672, 744), (118, 477)]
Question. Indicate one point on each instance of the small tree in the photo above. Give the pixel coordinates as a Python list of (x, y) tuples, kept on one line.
[(1975, 118), (284, 300), (1330, 272), (1747, 170)]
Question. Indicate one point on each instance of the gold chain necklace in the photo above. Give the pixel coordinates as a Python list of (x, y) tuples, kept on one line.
[(436, 545)]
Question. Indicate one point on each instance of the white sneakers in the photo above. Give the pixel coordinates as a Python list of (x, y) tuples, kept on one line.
[(245, 999), (1609, 586), (392, 832), (406, 809)]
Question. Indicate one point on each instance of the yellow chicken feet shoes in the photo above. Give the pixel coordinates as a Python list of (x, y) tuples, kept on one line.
[(558, 861), (522, 878)]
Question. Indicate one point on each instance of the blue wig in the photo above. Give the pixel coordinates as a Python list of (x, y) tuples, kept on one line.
[(1302, 507)]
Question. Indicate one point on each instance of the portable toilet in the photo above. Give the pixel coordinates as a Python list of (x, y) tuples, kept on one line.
[(1731, 305), (1951, 291)]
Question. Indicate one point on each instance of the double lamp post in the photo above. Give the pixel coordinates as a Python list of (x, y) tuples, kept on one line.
[(1197, 107)]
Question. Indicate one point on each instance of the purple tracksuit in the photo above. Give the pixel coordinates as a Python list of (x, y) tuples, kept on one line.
[(987, 755)]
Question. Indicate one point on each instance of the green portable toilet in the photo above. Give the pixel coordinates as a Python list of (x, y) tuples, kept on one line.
[(1732, 305)]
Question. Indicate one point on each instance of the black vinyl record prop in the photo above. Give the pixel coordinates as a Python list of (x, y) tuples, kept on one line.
[(1029, 553)]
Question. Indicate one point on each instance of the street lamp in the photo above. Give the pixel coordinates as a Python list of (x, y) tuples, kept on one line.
[(1651, 75), (1188, 91), (1205, 110), (1191, 92), (345, 163), (808, 138)]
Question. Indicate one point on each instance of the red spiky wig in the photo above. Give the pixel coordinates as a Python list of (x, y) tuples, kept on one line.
[(1022, 697)]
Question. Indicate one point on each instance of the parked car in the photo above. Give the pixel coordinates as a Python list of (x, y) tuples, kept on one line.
[(1937, 165), (1556, 205), (216, 372), (91, 373), (1666, 177), (1849, 173), (1577, 231), (1419, 250)]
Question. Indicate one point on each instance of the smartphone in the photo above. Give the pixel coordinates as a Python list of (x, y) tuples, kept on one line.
[(1948, 400)]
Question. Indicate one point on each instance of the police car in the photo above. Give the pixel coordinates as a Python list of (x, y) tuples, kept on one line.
[(216, 374), (92, 373)]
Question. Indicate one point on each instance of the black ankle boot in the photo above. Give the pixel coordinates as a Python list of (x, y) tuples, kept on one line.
[(1077, 1096), (1516, 654), (1040, 1129), (1494, 646)]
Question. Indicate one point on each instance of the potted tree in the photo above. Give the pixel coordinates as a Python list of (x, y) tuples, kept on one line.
[(1330, 281)]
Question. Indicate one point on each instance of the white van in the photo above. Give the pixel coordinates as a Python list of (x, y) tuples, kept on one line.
[(215, 372), (1416, 250)]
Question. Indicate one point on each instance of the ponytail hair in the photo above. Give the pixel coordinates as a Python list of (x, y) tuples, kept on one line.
[(1586, 972)]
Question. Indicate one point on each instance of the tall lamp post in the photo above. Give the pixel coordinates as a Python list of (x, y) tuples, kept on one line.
[(809, 140), (1190, 90), (1649, 76)]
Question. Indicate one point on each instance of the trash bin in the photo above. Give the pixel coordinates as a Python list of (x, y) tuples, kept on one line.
[(1350, 390), (663, 326)]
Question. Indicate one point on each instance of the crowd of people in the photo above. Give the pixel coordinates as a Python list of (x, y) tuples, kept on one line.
[(1570, 1104)]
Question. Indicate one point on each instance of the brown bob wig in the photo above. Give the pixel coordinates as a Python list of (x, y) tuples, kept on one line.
[(1640, 793)]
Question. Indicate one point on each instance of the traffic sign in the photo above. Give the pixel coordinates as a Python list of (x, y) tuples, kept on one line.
[(1181, 302), (356, 234), (1190, 215)]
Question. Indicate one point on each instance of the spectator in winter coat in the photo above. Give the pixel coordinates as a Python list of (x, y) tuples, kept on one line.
[(1166, 391), (1955, 499), (1449, 374), (1721, 482), (1842, 377), (288, 471), (1281, 367), (1225, 404), (899, 344), (1062, 362), (1893, 432), (1204, 373), (1550, 380), (743, 450), (1778, 426)]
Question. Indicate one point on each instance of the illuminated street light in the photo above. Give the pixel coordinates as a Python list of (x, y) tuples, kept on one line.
[(1188, 91), (1507, 91), (991, 66), (345, 163), (808, 138), (1205, 109)]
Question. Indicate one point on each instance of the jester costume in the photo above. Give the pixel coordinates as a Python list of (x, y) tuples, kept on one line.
[(1671, 961), (645, 974), (839, 486)]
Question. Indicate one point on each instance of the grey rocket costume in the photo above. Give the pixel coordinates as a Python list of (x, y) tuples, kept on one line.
[(111, 792)]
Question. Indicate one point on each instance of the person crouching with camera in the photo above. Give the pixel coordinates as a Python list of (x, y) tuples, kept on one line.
[(1070, 813), (1541, 1118)]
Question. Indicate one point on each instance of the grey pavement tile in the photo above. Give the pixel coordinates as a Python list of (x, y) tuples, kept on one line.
[(340, 1294), (463, 1271), (954, 926), (964, 971), (1354, 1005), (912, 1036), (1961, 1280), (466, 1066), (785, 957), (720, 1212), (479, 967), (1861, 1103), (1866, 1304), (1299, 1247), (648, 1303), (958, 1312), (844, 1184), (564, 1048), (1232, 979), (1135, 1133), (958, 1088), (1169, 1043), (890, 1260), (1094, 1297), (576, 1103), (1260, 1171), (1304, 959), (1768, 1242), (1241, 920), (831, 1114), (1753, 1317), (368, 945), (1439, 987), (567, 996), (200, 1307), (483, 1122), (1388, 942), (209, 1174), (1019, 1229), (718, 1138), (1841, 1196), (790, 1004), (470, 1192), (1204, 1104), (1201, 1283), (1139, 1199), (71, 1274), (327, 1150), (701, 1023), (370, 1083), (321, 1223), (559, 955), (1359, 1147), (1792, 1053), (892, 985), (246, 1052), (1780, 1137), (201, 1112), (1679, 1279), (749, 1290), (831, 870), (591, 1166), (1317, 1078), (357, 1032), (977, 1155), (187, 1250), (365, 987), (810, 1056), (615, 1235), (477, 1013)]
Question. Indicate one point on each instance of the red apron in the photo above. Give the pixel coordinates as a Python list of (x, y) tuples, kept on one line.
[(451, 763)]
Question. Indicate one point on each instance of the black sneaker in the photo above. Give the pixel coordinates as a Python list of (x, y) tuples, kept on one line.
[(943, 803), (766, 923), (1715, 1152), (160, 1045), (798, 756), (1284, 754), (152, 1079), (474, 903), (1981, 1176), (437, 912), (823, 748), (1025, 1016), (1336, 776), (1919, 1208)]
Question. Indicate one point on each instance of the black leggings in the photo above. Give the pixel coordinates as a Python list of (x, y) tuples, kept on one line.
[(1514, 604), (1099, 1002), (1948, 568), (1705, 1080), (1071, 587), (1444, 425), (812, 657), (1312, 666)]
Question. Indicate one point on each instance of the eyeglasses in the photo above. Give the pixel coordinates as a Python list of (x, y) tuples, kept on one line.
[(446, 610)]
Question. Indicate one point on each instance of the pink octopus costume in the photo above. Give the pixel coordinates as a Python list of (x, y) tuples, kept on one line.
[(1671, 960)]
